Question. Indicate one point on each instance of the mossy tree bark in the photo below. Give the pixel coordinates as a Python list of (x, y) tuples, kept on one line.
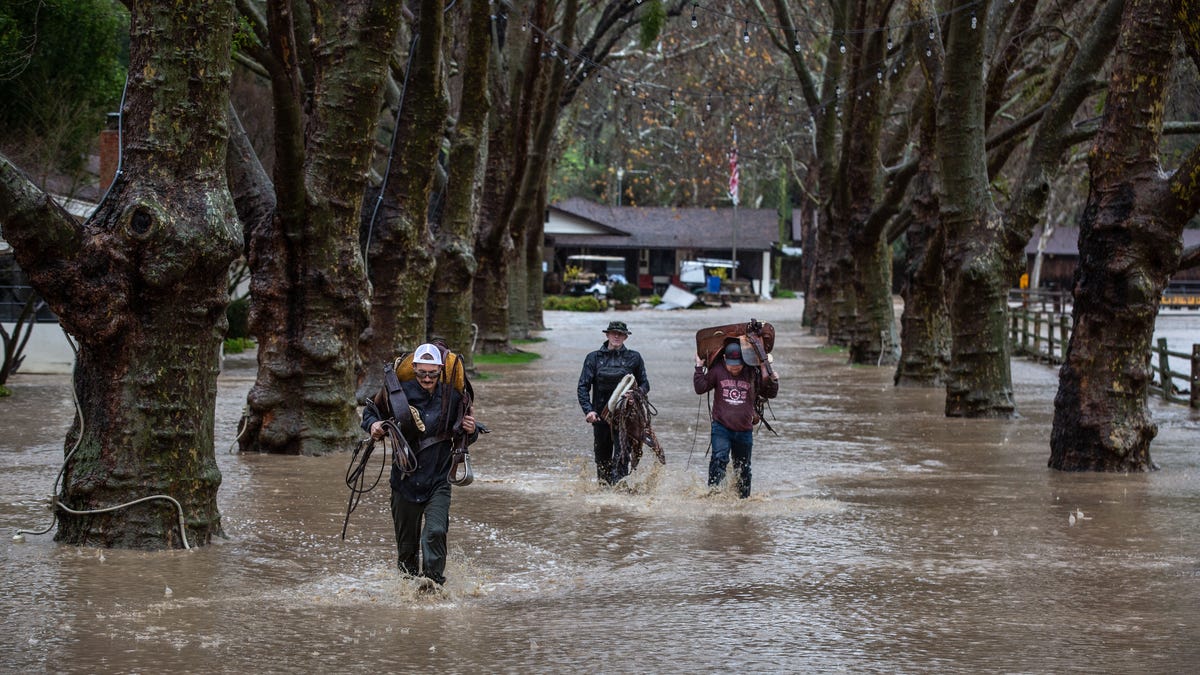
[(925, 322), (309, 291), (1129, 245), (979, 382), (142, 286), (984, 250), (524, 116), (400, 253), (452, 291), (822, 279)]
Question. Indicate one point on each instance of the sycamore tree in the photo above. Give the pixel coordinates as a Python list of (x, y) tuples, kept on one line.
[(1129, 244), (141, 285), (399, 242), (545, 51), (327, 64)]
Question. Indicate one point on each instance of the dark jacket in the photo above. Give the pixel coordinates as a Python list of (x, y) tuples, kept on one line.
[(602, 372), (433, 460)]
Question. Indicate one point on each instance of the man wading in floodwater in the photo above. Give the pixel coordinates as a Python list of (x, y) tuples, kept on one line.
[(427, 406), (602, 371), (733, 411)]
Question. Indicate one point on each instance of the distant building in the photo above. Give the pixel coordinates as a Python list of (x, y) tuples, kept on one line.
[(1060, 257), (653, 242)]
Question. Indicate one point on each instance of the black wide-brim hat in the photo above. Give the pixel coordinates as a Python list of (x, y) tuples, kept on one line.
[(617, 327)]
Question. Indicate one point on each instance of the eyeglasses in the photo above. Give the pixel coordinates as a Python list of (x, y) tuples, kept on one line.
[(427, 374)]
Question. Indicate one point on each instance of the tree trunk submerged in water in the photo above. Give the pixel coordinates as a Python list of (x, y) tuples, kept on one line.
[(979, 380), (1129, 245), (400, 252), (142, 286), (453, 289), (309, 290)]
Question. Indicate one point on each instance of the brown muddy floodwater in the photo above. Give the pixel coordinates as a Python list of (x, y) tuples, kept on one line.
[(881, 537)]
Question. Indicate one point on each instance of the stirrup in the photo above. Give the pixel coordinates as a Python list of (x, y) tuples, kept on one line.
[(467, 476)]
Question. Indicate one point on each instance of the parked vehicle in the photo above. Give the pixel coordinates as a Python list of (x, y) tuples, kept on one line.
[(698, 275)]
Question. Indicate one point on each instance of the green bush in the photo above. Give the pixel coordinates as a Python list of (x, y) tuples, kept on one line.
[(583, 303), (625, 294), (238, 315), (785, 294), (237, 345)]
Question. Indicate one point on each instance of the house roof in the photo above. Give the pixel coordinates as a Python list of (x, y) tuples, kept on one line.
[(664, 227), (1065, 241)]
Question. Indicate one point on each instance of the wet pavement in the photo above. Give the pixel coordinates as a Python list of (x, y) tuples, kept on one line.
[(880, 537)]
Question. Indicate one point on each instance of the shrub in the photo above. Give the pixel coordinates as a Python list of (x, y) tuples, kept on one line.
[(237, 345), (625, 294), (238, 315), (583, 303)]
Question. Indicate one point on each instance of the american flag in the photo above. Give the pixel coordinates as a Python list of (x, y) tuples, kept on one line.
[(733, 171)]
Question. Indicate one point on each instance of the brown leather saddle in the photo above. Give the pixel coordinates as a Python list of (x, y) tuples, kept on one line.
[(755, 337)]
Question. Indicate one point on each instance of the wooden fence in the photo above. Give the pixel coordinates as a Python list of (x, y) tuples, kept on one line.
[(1043, 336)]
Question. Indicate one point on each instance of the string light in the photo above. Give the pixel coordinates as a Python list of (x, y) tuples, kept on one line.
[(621, 83)]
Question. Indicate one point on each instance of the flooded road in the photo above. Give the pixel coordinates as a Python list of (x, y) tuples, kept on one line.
[(881, 537)]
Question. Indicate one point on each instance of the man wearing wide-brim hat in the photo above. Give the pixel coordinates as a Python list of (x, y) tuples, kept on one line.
[(602, 371)]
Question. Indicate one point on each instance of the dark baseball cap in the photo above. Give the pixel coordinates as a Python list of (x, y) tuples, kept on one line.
[(733, 354)]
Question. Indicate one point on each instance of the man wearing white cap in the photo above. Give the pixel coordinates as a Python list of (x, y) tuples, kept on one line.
[(432, 413)]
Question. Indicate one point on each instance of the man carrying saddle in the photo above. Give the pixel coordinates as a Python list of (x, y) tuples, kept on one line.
[(740, 392), (425, 409)]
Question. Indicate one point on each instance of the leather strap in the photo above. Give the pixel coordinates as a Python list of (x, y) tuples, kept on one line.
[(398, 402)]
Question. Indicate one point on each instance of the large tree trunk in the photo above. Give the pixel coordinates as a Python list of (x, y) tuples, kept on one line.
[(925, 323), (309, 289), (1129, 245), (142, 286), (979, 382), (493, 246), (513, 84), (453, 290), (865, 322), (985, 252), (400, 254)]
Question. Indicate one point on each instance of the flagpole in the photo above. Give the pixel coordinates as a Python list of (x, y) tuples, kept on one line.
[(733, 193)]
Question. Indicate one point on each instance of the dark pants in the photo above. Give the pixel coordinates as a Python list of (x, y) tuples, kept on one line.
[(725, 443), (607, 471), (428, 540)]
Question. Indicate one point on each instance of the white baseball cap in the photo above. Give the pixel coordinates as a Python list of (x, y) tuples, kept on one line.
[(428, 354)]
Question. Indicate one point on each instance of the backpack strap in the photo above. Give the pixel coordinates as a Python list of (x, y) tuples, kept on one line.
[(398, 402)]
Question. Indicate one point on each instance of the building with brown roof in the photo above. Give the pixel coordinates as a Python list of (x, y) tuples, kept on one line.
[(649, 244)]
